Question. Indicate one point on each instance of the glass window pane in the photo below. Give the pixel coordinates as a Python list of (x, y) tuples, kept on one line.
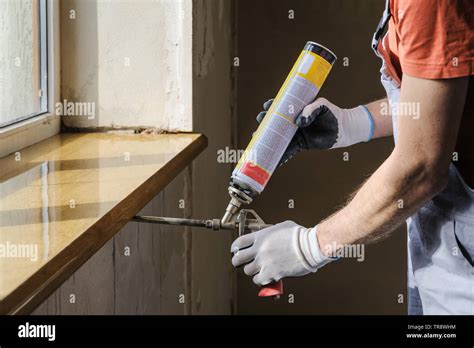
[(22, 59)]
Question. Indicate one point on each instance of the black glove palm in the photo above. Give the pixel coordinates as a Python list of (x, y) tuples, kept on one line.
[(319, 130)]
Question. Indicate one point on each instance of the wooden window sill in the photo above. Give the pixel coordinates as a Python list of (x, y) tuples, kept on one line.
[(68, 195)]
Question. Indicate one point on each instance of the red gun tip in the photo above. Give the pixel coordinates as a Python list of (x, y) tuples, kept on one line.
[(275, 289)]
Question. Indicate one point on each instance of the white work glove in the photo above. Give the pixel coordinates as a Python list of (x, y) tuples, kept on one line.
[(283, 250), (323, 125)]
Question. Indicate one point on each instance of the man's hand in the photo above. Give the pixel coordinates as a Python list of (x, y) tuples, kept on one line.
[(324, 125), (282, 250)]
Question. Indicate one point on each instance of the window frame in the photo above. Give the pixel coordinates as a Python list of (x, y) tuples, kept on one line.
[(33, 129)]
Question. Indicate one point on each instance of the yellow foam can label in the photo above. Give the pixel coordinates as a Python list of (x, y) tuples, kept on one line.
[(276, 130), (315, 69)]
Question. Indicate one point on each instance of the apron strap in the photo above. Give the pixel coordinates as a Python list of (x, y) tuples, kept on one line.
[(379, 32)]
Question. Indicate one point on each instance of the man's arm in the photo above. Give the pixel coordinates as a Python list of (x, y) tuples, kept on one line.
[(415, 171), (382, 123)]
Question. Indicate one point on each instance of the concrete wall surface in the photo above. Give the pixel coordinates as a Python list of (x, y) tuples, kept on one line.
[(131, 59), (151, 269)]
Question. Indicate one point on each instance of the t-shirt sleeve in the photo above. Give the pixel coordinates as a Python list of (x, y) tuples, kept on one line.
[(436, 37)]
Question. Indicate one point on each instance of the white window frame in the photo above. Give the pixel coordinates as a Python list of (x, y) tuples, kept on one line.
[(35, 129)]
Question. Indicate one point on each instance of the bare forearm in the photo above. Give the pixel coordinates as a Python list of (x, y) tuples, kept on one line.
[(415, 172), (392, 194), (382, 120)]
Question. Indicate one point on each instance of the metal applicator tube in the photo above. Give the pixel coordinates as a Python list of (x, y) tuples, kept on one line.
[(237, 198)]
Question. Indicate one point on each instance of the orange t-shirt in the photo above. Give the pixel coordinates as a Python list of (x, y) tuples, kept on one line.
[(434, 39), (431, 39)]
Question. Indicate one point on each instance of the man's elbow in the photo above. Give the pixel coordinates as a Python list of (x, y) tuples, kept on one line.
[(437, 174), (429, 174)]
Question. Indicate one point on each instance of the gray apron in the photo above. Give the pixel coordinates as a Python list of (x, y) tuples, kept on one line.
[(440, 235)]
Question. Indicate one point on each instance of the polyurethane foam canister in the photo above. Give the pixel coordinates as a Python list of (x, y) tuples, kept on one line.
[(276, 130)]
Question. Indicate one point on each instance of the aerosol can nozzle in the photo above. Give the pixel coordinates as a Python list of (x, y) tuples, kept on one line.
[(237, 197)]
